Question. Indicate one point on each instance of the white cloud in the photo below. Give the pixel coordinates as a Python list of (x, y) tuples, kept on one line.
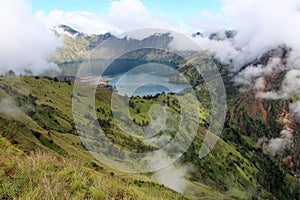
[(208, 22), (263, 24), (277, 146), (252, 73), (25, 41), (9, 109), (173, 177), (295, 107), (223, 50), (124, 15), (129, 14), (82, 21), (290, 88)]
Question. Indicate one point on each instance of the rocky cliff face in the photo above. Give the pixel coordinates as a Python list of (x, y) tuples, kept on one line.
[(259, 116), (77, 46)]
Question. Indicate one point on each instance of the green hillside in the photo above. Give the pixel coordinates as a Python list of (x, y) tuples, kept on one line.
[(38, 130), (43, 157)]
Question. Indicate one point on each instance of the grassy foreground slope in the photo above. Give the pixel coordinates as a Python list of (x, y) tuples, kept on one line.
[(43, 175), (41, 156)]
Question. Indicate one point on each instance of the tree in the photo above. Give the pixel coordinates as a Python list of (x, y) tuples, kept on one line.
[(131, 104), (10, 73), (138, 110)]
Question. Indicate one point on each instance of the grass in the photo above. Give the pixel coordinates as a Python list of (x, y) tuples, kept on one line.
[(42, 175), (42, 156), (48, 160)]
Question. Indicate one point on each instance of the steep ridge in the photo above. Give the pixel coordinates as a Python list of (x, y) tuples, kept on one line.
[(260, 117), (237, 168), (42, 156)]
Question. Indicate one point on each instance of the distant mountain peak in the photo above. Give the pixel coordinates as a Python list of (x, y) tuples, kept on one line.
[(66, 30), (69, 29), (219, 35)]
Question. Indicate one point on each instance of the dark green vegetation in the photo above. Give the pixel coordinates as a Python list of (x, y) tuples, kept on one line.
[(43, 158), (42, 154)]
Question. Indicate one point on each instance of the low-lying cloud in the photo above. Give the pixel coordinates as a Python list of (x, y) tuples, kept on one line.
[(8, 108), (295, 107), (261, 25), (253, 74), (173, 176), (277, 146), (26, 43), (224, 50)]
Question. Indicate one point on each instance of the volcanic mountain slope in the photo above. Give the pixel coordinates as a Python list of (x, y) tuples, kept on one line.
[(37, 121), (43, 158), (36, 116), (250, 120), (250, 161), (272, 115), (77, 46)]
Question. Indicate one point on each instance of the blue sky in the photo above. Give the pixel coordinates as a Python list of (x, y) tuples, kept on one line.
[(176, 9), (95, 6), (117, 16)]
